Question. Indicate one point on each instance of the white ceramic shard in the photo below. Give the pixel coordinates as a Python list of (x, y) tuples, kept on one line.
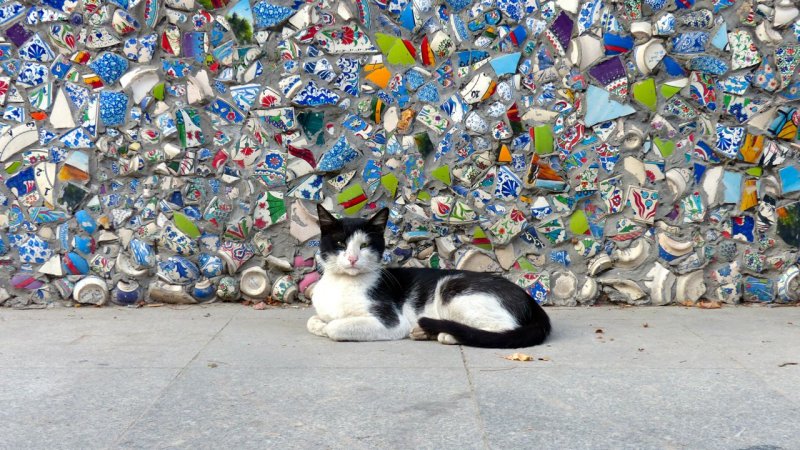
[(569, 5), (785, 14), (712, 182), (52, 267), (278, 263), (635, 167), (588, 291), (624, 290), (633, 256), (303, 225), (17, 138), (126, 266), (390, 119), (584, 51), (140, 80), (765, 33), (674, 247), (91, 290), (445, 246), (763, 120), (255, 283), (600, 263), (648, 55), (61, 114), (660, 285), (677, 180), (642, 30), (633, 138), (690, 287), (162, 292), (303, 17), (45, 175), (505, 256), (563, 288), (476, 261)]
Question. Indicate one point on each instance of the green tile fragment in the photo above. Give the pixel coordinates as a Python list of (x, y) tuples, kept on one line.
[(390, 182), (665, 147), (579, 223), (755, 171), (186, 224), (352, 199), (442, 174), (543, 139), (645, 93), (158, 91)]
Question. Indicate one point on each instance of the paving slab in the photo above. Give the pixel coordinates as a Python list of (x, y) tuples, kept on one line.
[(366, 408), (633, 408), (74, 408), (112, 337)]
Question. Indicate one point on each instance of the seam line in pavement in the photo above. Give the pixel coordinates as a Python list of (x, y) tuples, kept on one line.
[(481, 423), (171, 382)]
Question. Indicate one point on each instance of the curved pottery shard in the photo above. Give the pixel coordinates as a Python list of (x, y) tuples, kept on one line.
[(690, 287), (660, 285), (17, 138), (625, 291), (633, 256), (670, 249)]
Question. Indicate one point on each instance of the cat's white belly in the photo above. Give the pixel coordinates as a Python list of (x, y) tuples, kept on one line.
[(337, 297)]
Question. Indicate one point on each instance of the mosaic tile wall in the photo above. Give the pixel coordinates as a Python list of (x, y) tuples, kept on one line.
[(635, 151)]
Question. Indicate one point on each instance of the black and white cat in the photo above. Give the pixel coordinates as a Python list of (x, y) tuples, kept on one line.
[(358, 300)]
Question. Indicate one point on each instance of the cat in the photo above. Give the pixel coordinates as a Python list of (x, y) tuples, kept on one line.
[(356, 299)]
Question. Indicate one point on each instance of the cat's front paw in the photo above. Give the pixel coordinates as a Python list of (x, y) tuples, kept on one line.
[(316, 326)]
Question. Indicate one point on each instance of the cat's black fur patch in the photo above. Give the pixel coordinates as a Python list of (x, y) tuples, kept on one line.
[(398, 285)]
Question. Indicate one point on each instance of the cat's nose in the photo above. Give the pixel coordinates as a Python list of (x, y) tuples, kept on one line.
[(353, 260)]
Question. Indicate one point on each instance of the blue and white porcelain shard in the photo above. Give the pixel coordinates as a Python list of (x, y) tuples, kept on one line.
[(308, 189), (601, 108), (109, 66), (338, 156), (113, 108), (314, 95), (178, 270), (269, 15)]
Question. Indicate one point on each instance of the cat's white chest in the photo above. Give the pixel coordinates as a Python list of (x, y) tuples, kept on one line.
[(337, 296)]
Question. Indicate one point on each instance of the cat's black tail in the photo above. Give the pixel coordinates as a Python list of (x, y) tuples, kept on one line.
[(525, 336)]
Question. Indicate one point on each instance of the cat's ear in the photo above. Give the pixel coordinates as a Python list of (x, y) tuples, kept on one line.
[(326, 219), (380, 218)]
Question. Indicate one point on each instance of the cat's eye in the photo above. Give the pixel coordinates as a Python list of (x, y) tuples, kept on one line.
[(340, 244), (363, 245)]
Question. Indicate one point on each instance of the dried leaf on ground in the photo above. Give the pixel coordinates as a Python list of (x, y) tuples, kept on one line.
[(519, 357), (709, 304), (260, 305)]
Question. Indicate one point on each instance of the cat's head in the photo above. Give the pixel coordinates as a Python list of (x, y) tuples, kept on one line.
[(351, 246)]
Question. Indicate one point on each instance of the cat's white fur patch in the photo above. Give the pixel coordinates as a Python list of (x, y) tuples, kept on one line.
[(482, 311)]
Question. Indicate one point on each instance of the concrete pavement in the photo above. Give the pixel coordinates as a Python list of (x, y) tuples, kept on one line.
[(228, 376)]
